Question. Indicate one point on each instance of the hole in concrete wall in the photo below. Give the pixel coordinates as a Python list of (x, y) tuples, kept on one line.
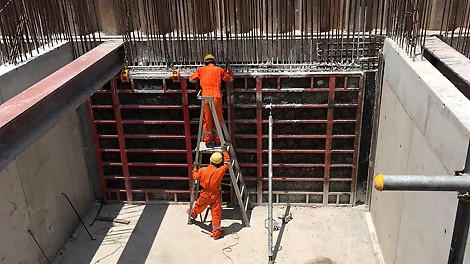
[(269, 83), (296, 83), (344, 172), (321, 82)]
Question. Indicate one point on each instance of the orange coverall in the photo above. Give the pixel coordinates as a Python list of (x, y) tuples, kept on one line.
[(211, 78), (210, 178)]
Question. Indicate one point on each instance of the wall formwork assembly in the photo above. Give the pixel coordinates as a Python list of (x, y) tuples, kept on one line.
[(145, 135)]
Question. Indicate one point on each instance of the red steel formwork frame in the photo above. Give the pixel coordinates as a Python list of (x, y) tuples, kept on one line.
[(318, 165)]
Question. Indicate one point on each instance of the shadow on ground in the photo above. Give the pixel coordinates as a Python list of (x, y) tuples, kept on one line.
[(141, 240)]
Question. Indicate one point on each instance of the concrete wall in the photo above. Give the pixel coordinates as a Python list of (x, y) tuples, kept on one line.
[(424, 128), (31, 194), (15, 79)]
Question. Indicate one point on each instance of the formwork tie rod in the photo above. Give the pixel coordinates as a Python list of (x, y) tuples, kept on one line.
[(78, 216), (422, 183)]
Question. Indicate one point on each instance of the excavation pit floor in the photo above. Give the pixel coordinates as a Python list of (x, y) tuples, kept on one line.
[(160, 234)]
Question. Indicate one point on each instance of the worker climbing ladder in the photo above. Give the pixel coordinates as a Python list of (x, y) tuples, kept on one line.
[(236, 177)]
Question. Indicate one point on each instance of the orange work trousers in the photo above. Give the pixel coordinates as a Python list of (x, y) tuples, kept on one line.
[(215, 202), (209, 128)]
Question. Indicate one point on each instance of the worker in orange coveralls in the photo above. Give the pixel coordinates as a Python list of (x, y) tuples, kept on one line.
[(211, 78), (210, 178)]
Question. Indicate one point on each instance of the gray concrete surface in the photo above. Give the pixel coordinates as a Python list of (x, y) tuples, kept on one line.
[(160, 234), (15, 79), (31, 192), (424, 128)]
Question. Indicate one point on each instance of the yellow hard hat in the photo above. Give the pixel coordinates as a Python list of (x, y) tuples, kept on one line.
[(209, 57), (216, 158)]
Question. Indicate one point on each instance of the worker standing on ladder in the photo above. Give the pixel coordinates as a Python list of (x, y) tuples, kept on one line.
[(211, 78), (210, 178)]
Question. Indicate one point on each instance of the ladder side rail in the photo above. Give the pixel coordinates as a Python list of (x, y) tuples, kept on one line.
[(195, 184), (216, 122)]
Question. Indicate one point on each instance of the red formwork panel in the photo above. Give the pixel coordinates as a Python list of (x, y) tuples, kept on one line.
[(145, 140)]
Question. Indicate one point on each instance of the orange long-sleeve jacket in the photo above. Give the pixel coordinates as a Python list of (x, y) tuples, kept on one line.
[(211, 176), (211, 78)]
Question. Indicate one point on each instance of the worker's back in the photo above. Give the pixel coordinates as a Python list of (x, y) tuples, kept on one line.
[(210, 177), (211, 78)]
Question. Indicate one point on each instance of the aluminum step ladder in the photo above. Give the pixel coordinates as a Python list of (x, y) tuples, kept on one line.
[(234, 170)]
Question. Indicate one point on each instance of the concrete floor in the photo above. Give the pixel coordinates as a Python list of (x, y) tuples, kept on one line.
[(159, 234)]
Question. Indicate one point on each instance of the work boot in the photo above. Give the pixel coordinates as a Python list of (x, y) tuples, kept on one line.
[(210, 144), (219, 236)]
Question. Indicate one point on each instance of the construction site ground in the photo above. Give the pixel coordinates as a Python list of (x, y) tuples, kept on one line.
[(160, 234)]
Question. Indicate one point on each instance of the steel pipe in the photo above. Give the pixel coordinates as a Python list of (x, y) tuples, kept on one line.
[(422, 183)]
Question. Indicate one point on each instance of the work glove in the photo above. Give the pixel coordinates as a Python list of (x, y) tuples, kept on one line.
[(195, 164), (224, 147), (230, 71)]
